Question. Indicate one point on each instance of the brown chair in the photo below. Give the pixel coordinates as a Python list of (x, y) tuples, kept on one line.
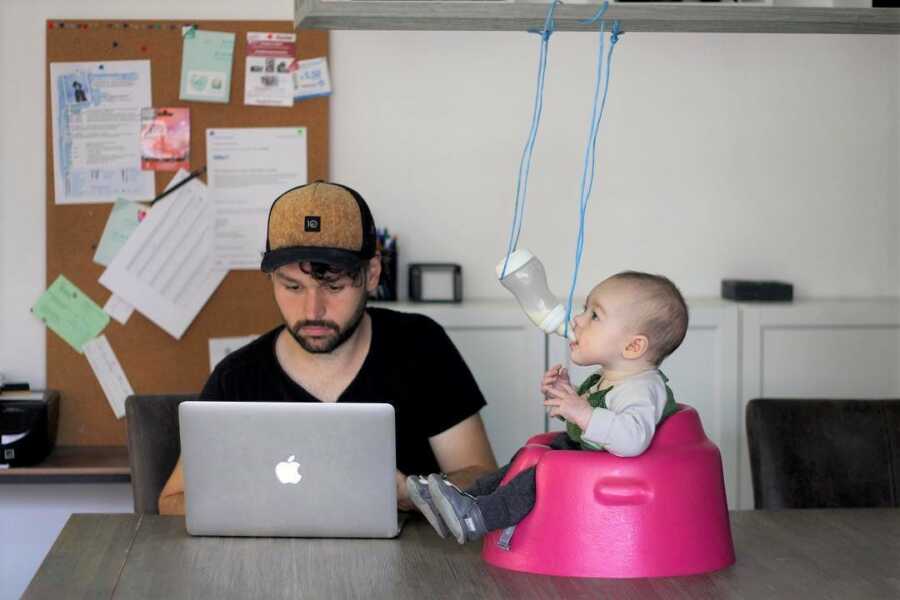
[(824, 453), (153, 445)]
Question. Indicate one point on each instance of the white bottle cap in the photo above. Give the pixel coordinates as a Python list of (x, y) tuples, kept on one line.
[(553, 320)]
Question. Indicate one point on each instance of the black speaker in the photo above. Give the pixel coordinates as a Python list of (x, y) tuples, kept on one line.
[(757, 291)]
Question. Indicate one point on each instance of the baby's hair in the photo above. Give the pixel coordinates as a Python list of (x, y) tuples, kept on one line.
[(663, 313)]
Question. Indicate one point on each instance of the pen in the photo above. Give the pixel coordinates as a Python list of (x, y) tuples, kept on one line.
[(193, 174)]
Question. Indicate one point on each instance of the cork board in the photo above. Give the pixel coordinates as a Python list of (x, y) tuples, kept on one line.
[(155, 362)]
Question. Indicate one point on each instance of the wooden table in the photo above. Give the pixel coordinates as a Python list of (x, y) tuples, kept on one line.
[(839, 554)]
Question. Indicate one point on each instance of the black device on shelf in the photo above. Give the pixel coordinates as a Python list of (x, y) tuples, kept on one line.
[(435, 282), (28, 427), (757, 291)]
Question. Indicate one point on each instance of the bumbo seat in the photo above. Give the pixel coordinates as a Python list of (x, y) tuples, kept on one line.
[(660, 514)]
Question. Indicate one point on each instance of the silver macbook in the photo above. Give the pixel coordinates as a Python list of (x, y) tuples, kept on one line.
[(289, 469)]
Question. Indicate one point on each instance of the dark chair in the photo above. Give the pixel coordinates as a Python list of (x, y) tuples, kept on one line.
[(824, 453), (153, 445)]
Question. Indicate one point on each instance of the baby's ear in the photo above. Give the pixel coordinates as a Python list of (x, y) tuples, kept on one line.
[(636, 348)]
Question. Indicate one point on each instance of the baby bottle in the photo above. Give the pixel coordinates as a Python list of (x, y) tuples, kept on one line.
[(526, 279)]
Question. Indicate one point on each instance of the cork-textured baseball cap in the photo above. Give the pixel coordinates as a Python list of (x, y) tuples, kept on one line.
[(319, 222)]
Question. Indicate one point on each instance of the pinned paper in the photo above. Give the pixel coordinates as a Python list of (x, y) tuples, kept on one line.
[(219, 348), (206, 61), (268, 80), (165, 269), (246, 168), (311, 78), (123, 220), (70, 313), (95, 110), (118, 308), (165, 139), (109, 373)]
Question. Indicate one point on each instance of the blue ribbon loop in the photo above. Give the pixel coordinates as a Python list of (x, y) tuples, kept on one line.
[(525, 162), (587, 178)]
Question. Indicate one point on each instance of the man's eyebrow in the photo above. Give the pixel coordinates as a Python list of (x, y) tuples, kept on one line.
[(286, 278)]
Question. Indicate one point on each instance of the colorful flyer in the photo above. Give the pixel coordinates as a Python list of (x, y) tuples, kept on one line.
[(165, 139), (311, 78), (206, 61), (95, 111), (268, 80)]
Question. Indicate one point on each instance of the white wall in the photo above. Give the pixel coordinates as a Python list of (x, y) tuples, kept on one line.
[(720, 155)]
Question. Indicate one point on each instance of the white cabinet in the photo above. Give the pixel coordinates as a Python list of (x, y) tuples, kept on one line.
[(505, 353)]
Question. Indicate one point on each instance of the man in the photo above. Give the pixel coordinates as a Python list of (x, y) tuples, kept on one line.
[(321, 257)]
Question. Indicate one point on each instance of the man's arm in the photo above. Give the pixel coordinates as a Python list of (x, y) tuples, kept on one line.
[(171, 499), (464, 452)]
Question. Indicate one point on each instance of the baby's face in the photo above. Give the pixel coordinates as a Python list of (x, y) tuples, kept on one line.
[(606, 326)]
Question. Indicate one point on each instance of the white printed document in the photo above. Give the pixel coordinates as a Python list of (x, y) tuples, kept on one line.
[(109, 373), (247, 169), (96, 114), (165, 269)]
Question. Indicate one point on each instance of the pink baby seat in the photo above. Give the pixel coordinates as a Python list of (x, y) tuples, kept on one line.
[(659, 514)]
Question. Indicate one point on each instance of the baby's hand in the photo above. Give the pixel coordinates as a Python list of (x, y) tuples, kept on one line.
[(556, 374), (564, 401)]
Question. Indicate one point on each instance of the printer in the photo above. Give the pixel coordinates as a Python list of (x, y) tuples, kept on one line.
[(27, 426)]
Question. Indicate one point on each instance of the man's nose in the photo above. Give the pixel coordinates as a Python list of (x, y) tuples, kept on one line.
[(315, 305)]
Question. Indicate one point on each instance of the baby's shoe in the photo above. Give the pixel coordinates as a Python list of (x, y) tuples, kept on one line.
[(458, 509), (420, 495)]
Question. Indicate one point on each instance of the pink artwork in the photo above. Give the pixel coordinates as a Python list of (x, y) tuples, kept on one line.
[(165, 139)]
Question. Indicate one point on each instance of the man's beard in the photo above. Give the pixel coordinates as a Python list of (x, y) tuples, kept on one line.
[(324, 345)]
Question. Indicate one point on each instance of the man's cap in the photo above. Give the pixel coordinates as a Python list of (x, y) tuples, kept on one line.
[(319, 222)]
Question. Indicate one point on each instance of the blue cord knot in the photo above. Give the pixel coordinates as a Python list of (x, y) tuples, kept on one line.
[(549, 23), (616, 32)]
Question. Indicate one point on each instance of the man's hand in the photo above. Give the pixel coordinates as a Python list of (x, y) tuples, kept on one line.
[(564, 401), (403, 501), (556, 374)]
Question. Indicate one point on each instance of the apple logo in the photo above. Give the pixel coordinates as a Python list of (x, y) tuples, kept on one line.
[(288, 472)]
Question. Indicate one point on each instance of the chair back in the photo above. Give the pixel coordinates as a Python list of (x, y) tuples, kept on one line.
[(153, 445), (812, 453)]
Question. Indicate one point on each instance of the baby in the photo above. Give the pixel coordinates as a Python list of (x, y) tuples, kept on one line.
[(631, 322)]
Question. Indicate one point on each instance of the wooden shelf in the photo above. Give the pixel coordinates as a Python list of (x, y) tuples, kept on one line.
[(75, 464), (520, 16)]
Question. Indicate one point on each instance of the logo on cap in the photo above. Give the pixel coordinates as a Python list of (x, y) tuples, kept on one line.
[(312, 224)]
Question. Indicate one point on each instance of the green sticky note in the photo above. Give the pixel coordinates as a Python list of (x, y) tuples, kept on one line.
[(70, 313), (123, 220), (206, 59)]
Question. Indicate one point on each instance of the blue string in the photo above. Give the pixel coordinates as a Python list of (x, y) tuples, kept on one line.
[(525, 162), (587, 178)]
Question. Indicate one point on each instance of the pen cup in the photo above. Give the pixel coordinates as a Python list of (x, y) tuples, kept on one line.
[(387, 283)]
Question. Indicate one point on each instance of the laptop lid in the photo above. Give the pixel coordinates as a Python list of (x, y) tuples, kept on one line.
[(289, 469)]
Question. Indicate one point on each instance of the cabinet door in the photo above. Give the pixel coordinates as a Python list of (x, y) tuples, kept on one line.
[(507, 363)]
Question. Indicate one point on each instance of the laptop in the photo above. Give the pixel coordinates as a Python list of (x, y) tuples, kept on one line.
[(289, 469)]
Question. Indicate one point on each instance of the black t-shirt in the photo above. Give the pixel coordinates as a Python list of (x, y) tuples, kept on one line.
[(411, 364)]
